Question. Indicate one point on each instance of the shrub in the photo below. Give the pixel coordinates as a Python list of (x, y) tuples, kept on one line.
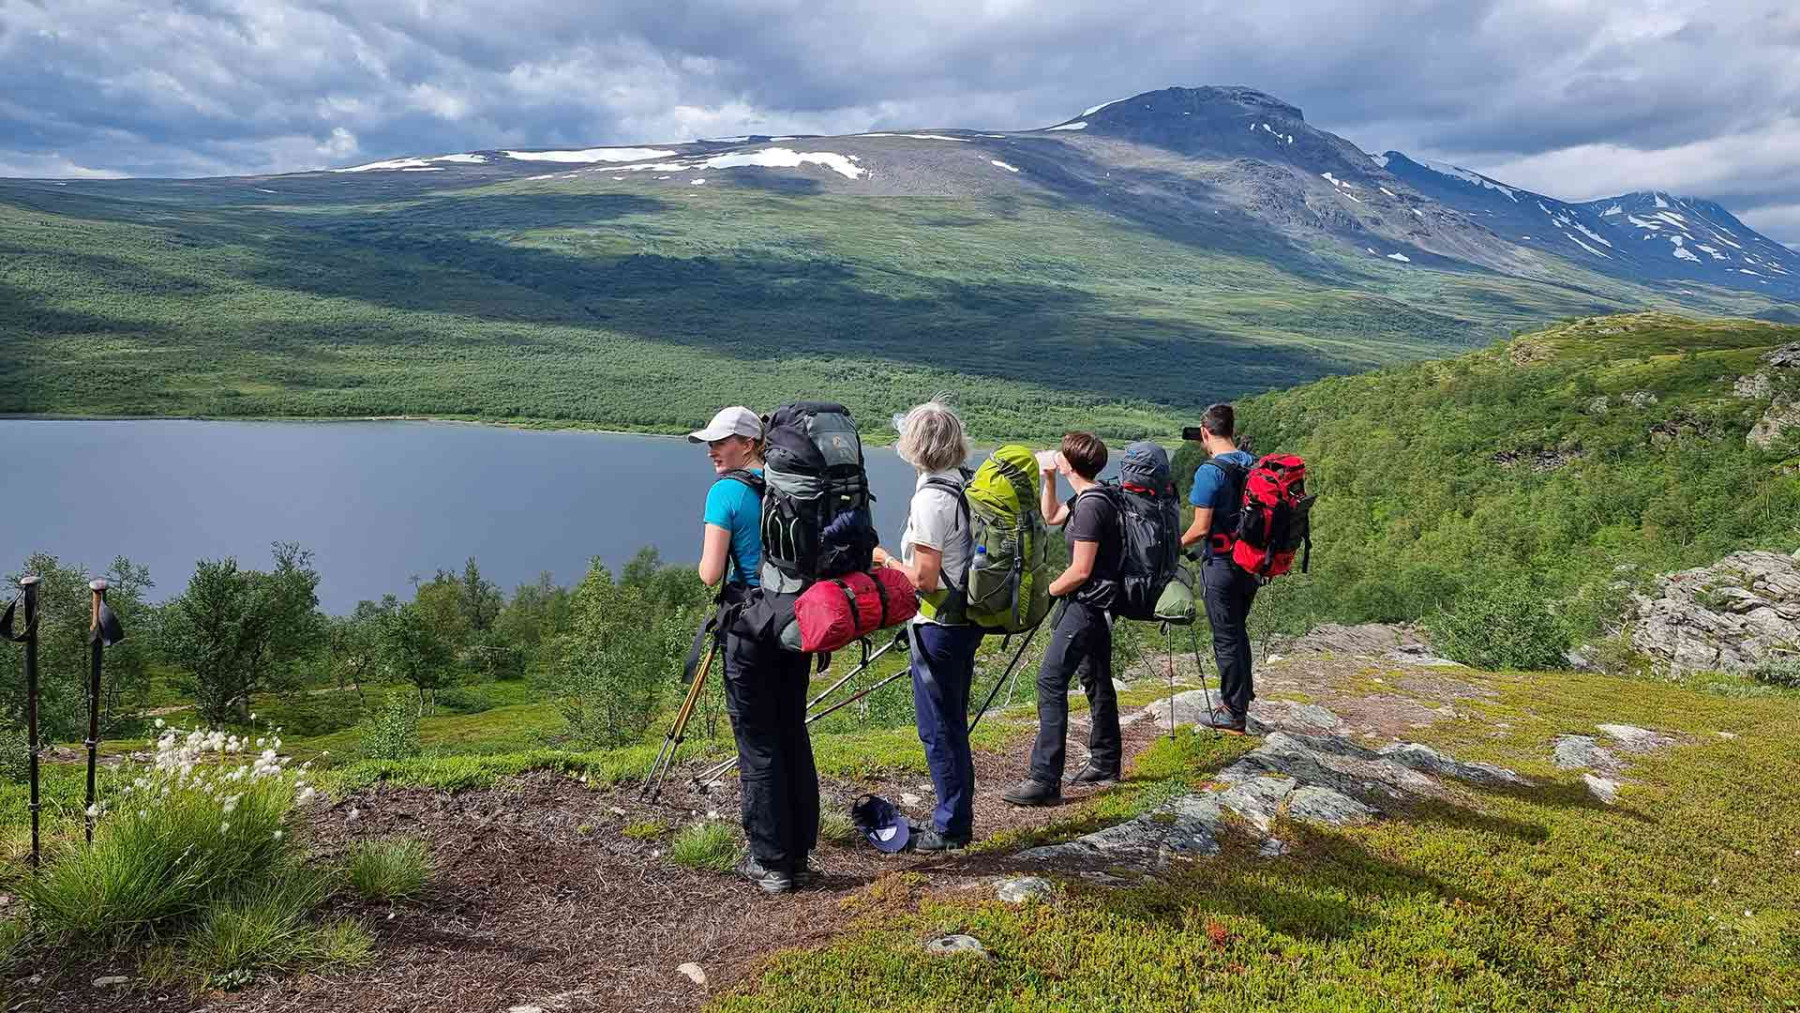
[(15, 754), (391, 731), (263, 925), (1778, 670), (463, 700), (709, 845), (195, 831), (645, 830), (1501, 623), (610, 668), (389, 870)]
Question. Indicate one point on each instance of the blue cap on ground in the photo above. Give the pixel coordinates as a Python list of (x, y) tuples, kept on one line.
[(881, 822)]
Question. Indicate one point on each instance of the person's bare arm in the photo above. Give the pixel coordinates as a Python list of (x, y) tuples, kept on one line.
[(1081, 567), (715, 555), (1055, 511), (925, 572), (1198, 530)]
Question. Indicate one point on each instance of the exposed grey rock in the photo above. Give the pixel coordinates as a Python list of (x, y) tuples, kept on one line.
[(1775, 423), (1598, 405), (1285, 715), (1785, 357), (956, 944), (1024, 888), (1639, 398), (1603, 788), (1331, 762), (1728, 616), (110, 980), (1323, 805), (1634, 739), (1188, 706), (910, 800), (1273, 848), (694, 972), (1258, 799), (1430, 761), (1366, 639), (1754, 387), (1186, 825), (1583, 752)]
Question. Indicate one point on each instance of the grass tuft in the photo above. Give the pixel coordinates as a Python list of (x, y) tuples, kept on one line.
[(390, 869), (710, 845)]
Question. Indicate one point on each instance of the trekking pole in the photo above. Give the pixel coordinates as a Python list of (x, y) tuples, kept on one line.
[(1199, 668), (28, 591), (724, 766), (665, 757), (103, 632), (1011, 666), (1169, 632)]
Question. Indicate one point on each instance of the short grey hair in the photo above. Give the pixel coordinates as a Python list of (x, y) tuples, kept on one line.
[(932, 437)]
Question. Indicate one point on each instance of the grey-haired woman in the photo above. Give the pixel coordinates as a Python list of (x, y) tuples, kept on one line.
[(934, 554)]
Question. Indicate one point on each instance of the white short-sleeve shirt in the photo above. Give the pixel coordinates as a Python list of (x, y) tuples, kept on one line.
[(935, 520)]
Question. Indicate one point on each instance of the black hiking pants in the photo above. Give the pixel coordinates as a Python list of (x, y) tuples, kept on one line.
[(765, 693), (1229, 593), (1080, 643)]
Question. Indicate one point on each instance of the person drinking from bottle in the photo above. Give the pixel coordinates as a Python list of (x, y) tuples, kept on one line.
[(765, 686), (935, 552), (1081, 633)]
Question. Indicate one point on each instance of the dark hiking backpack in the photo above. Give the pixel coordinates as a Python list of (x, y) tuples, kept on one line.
[(1274, 516), (1150, 529), (816, 519)]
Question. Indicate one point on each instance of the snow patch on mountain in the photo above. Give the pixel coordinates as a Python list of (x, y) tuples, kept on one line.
[(1271, 131), (1003, 165), (1401, 257), (466, 158), (1472, 178), (1585, 246), (591, 155), (1381, 160), (1101, 106), (1077, 125), (787, 158), (392, 163), (1614, 210)]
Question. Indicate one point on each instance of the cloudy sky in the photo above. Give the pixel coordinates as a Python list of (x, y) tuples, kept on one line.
[(1575, 98)]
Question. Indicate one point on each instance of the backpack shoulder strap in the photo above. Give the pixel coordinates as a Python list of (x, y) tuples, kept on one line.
[(1235, 473), (749, 478), (961, 492)]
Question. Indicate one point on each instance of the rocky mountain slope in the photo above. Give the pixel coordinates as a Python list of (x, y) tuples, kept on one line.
[(1196, 242)]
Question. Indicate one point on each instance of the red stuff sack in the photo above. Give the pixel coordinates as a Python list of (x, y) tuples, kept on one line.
[(1275, 522), (836, 612)]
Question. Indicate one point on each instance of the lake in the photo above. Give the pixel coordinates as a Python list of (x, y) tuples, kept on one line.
[(376, 502)]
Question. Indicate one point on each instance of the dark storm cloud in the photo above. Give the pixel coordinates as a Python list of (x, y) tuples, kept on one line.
[(1574, 98)]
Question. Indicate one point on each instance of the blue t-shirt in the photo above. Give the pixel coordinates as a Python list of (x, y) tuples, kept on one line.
[(1213, 488), (737, 508)]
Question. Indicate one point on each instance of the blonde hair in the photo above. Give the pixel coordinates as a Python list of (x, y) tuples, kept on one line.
[(932, 437)]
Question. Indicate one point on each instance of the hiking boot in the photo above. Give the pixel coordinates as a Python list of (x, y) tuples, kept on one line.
[(931, 840), (772, 881), (1222, 719), (1093, 775), (806, 874), (1032, 792)]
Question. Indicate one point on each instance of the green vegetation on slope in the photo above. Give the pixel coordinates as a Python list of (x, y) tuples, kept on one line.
[(1560, 457), (1540, 899), (588, 303)]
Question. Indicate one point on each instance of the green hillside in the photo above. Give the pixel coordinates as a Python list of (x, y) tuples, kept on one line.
[(1574, 456), (589, 302)]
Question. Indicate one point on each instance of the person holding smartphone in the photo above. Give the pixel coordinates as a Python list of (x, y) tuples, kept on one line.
[(1081, 631)]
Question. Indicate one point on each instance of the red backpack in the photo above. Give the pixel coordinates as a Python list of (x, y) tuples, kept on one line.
[(1274, 520)]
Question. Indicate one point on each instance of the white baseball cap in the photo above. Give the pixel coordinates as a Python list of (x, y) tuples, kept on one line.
[(734, 421)]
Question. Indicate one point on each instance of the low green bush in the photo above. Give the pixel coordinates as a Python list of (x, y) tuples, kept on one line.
[(1778, 670), (264, 925), (463, 700), (391, 731), (1503, 622), (709, 845), (389, 869), (15, 754)]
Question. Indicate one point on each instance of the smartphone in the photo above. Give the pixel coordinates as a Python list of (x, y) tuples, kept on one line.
[(1194, 433)]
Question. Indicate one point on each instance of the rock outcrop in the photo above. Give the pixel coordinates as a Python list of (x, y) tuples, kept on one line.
[(1296, 772), (1727, 616), (1602, 767)]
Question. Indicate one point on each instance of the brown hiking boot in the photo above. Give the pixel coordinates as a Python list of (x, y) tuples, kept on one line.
[(1222, 719)]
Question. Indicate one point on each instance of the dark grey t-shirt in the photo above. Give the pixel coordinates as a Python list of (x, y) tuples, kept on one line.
[(1093, 517)]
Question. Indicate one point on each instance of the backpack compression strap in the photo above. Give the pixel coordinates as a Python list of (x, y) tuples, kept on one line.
[(749, 478)]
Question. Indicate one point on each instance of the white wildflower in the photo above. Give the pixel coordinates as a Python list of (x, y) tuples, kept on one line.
[(253, 715), (354, 813), (224, 827), (306, 796), (93, 811), (259, 742), (159, 722), (278, 835)]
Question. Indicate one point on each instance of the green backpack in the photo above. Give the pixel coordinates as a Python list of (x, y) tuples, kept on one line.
[(1007, 586)]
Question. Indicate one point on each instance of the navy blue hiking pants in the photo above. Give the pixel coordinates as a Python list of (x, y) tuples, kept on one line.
[(1229, 593), (943, 667)]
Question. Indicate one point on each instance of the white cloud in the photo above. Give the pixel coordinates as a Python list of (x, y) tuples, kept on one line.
[(51, 166)]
